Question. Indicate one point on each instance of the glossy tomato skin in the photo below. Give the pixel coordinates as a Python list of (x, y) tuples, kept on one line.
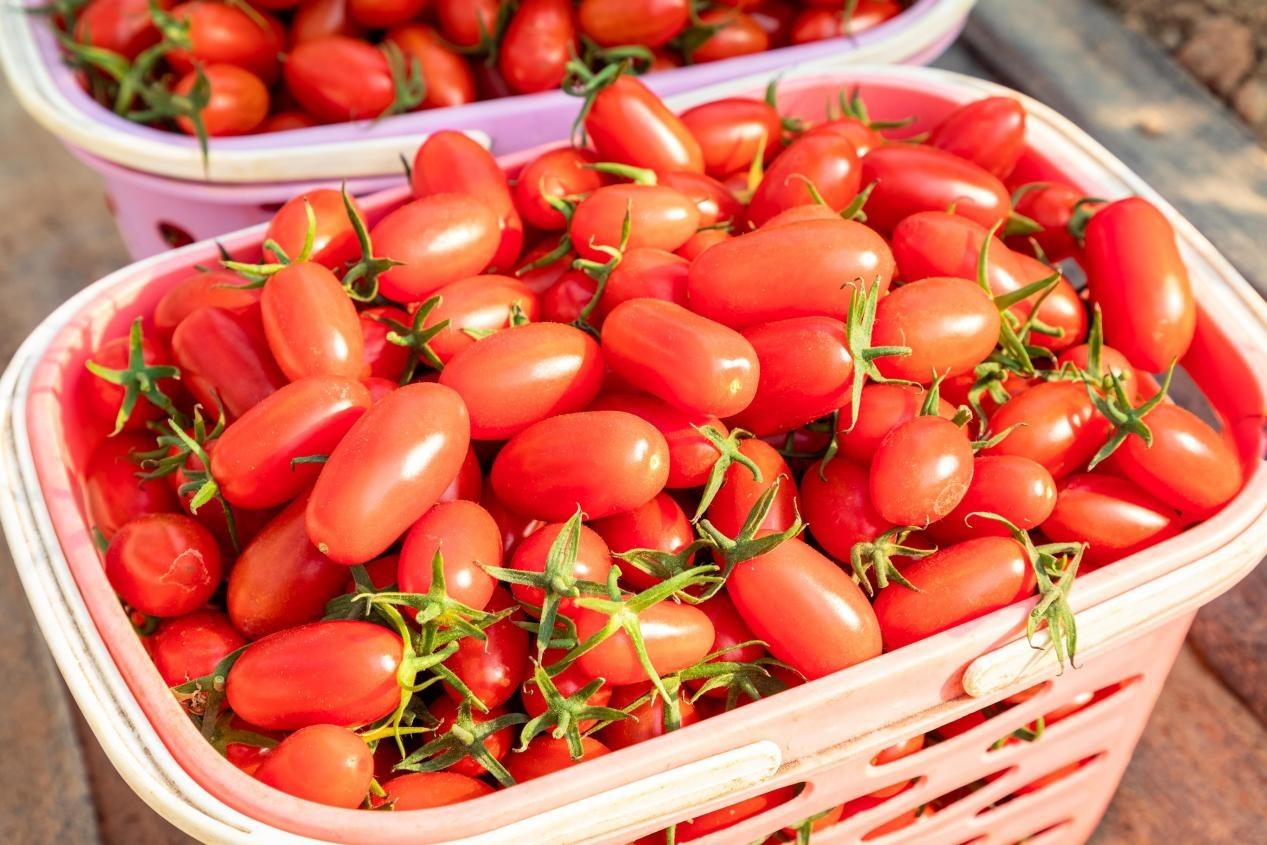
[(450, 81), (338, 672), (1016, 488), (334, 240), (467, 537), (676, 636), (190, 646), (120, 26), (423, 790), (737, 35), (1062, 430), (113, 493), (949, 324), (556, 173), (740, 490), (201, 289), (280, 580), (1111, 361), (380, 14), (318, 18), (514, 526), (537, 45), (1138, 278), (1189, 466), (790, 394), (935, 243), (337, 78), (956, 584), (593, 563), (646, 273), (818, 22), (311, 325), (882, 408), (715, 201), (539, 473), (223, 34), (478, 303), (237, 105), (564, 302), (440, 238), (451, 162), (730, 132), (227, 352), (660, 217), (836, 505), (104, 400), (691, 456), (386, 360), (820, 621), (322, 763), (389, 469), (706, 823), (612, 23), (629, 124), (829, 162), (546, 755), (1062, 308), (492, 669), (660, 524), (466, 22), (522, 375), (749, 279), (691, 362), (646, 721), (1113, 516), (989, 132), (1050, 205), (164, 564), (252, 459), (921, 471), (912, 179)]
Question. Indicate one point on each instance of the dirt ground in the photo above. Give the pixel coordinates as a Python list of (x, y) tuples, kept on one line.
[(1221, 42)]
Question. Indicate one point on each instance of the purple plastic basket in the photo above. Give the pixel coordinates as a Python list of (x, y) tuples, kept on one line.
[(158, 186)]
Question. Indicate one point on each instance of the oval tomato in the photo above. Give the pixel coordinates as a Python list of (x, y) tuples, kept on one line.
[(660, 217), (190, 646), (675, 636), (837, 507), (631, 125), (380, 14), (164, 564), (935, 243), (440, 238), (1113, 516), (1054, 424), (546, 755), (827, 162), (740, 491), (911, 179), (223, 34), (660, 524), (124, 27), (113, 494), (593, 563), (950, 325), (789, 393), (479, 304), (237, 104), (731, 130), (318, 18), (334, 240), (612, 23), (989, 132), (467, 23), (1016, 488), (322, 763), (224, 358), (423, 790), (715, 201), (201, 289), (537, 44), (921, 471), (691, 456), (736, 34), (337, 78), (645, 273), (467, 538), (311, 326), (882, 408), (448, 76), (104, 399), (497, 744), (1051, 205), (492, 669), (557, 174)]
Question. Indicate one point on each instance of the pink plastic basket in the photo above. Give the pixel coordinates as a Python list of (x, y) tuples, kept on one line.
[(1132, 615), (158, 186)]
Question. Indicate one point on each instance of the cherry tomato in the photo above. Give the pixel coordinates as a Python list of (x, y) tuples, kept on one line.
[(514, 526), (715, 201), (380, 14), (837, 507), (564, 302), (626, 462), (700, 241), (469, 482), (631, 125), (479, 304), (558, 173), (1061, 429), (1189, 466), (1138, 278), (492, 669), (424, 790), (1050, 205), (498, 744), (934, 243), (956, 584), (238, 102), (921, 471), (468, 539), (386, 360), (467, 23), (749, 279), (1061, 309), (164, 564), (104, 399), (338, 78), (646, 721), (827, 162), (857, 132), (546, 755), (523, 375), (338, 672), (448, 77), (284, 121), (989, 132), (1113, 516), (1111, 361), (705, 823), (736, 35), (593, 563), (691, 456), (645, 273), (612, 23), (451, 162), (322, 763), (659, 524), (113, 494), (280, 580), (311, 325), (911, 179), (1016, 488), (190, 646), (318, 18), (567, 682), (334, 240), (810, 614), (440, 238), (120, 26), (675, 636), (202, 289), (388, 470), (223, 34), (730, 132), (816, 24), (537, 44), (950, 325), (224, 358), (740, 490), (660, 217), (882, 408), (790, 394)]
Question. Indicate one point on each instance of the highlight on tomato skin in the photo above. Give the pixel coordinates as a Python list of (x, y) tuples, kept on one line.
[(533, 468)]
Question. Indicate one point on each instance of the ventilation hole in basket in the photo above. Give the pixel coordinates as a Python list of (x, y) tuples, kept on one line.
[(1026, 694), (902, 822), (1044, 836), (1046, 780), (728, 816), (1033, 731), (173, 235), (271, 207), (905, 748)]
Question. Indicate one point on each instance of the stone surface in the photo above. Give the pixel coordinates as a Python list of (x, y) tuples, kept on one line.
[(1220, 52)]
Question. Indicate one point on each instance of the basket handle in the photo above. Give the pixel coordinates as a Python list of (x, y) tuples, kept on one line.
[(1115, 621), (665, 796)]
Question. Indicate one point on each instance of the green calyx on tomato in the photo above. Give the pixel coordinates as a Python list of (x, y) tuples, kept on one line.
[(257, 274), (858, 327), (565, 714), (727, 453), (361, 279), (877, 555), (138, 380), (1013, 333), (203, 697), (408, 84), (746, 544), (416, 337), (1126, 419), (751, 679), (852, 105), (601, 272), (464, 738)]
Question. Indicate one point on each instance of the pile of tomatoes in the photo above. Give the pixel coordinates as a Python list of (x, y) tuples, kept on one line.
[(216, 68), (529, 469)]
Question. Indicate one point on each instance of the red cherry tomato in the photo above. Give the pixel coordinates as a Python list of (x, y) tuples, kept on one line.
[(479, 304), (380, 14), (334, 240), (568, 682), (311, 325), (625, 464), (646, 721), (190, 646), (1138, 278), (338, 672), (440, 238), (827, 162), (749, 279), (810, 614), (675, 636), (223, 34), (104, 399), (424, 790), (1111, 361), (645, 273), (740, 490), (227, 356), (120, 26), (730, 131), (1014, 487), (1113, 516), (448, 76), (388, 470), (911, 179), (467, 538), (816, 24), (660, 217), (836, 504), (736, 35), (612, 23), (280, 580), (385, 359), (1051, 205), (564, 302), (523, 375), (921, 471), (338, 78), (202, 289), (318, 18), (1061, 309), (469, 482), (164, 564), (498, 744), (113, 493), (546, 755), (882, 408), (855, 131), (322, 763), (538, 42), (466, 23), (659, 524), (1061, 429), (950, 325), (989, 132), (715, 201), (593, 563), (631, 125), (238, 102), (934, 243), (494, 668), (691, 456), (790, 394), (956, 584), (557, 173)]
